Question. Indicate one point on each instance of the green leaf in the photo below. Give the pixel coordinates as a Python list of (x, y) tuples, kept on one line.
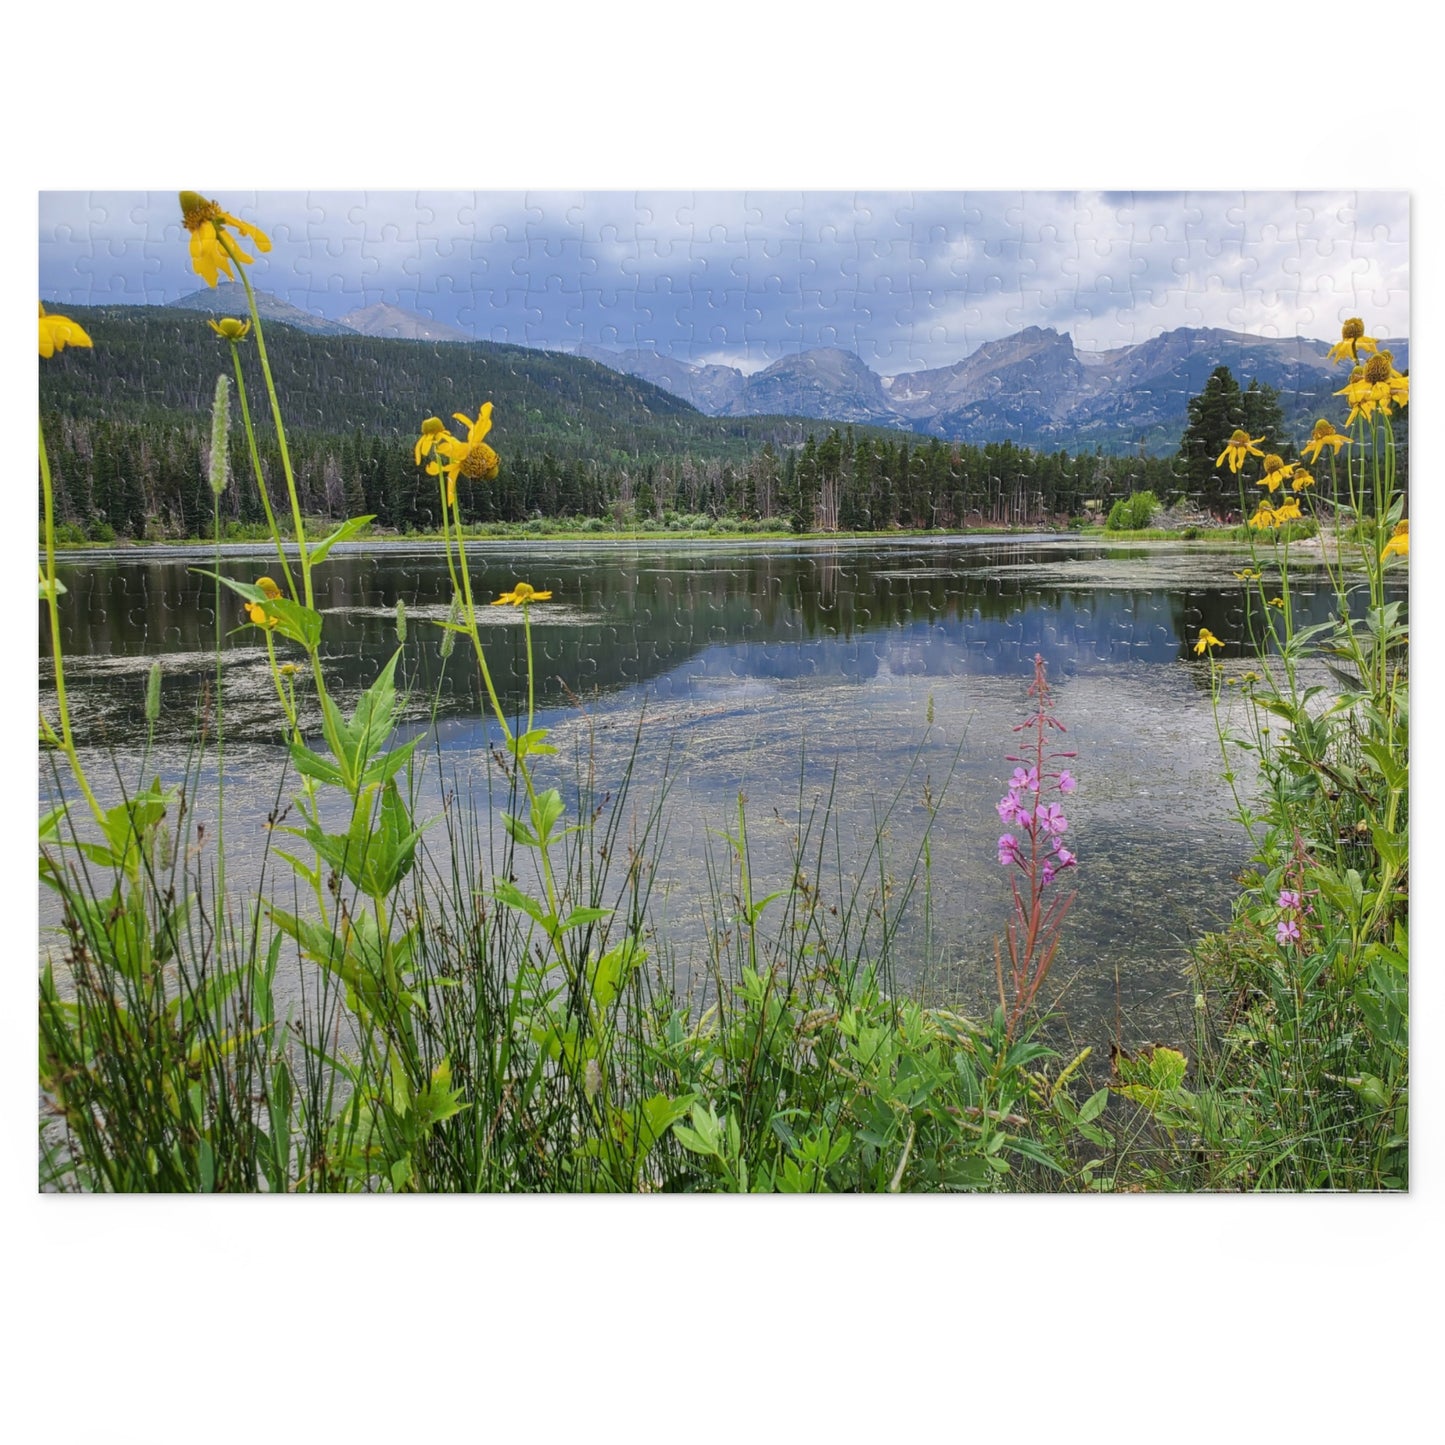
[(1094, 1106), (751, 915), (607, 976), (581, 917), (519, 832), (344, 533), (312, 765), (694, 1143), (1393, 848), (299, 623), (526, 744), (390, 763), (546, 809), (509, 894), (1031, 1149)]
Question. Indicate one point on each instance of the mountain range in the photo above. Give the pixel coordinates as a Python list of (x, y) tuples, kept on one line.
[(1034, 388)]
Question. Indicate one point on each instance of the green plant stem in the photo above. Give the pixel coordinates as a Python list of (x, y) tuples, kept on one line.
[(67, 739), (296, 517), (260, 478), (220, 718)]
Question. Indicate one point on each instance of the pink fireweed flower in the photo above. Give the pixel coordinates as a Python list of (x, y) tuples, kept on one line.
[(1286, 931), (1050, 817), (1046, 873), (1066, 782), (1288, 898), (1008, 850), (1022, 780), (1063, 857)]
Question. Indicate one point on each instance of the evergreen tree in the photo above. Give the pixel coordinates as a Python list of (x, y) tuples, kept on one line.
[(1264, 417), (1213, 417)]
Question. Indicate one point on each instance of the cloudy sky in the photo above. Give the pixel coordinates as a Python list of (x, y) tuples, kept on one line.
[(904, 279)]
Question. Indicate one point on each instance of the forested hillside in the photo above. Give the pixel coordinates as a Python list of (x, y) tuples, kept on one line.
[(128, 423)]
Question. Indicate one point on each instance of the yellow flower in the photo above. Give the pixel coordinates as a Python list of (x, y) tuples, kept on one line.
[(1241, 445), (211, 250), (230, 328), (1301, 480), (58, 332), (1276, 470), (1287, 511), (1250, 574), (433, 429), (522, 593), (1263, 519), (1376, 384), (1352, 339), (1324, 435), (256, 612), (472, 458), (1389, 386), (1399, 543), (1206, 640), (289, 669), (1277, 602)]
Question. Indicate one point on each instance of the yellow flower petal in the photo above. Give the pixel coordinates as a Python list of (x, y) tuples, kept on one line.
[(58, 332), (1399, 543), (211, 250), (521, 593)]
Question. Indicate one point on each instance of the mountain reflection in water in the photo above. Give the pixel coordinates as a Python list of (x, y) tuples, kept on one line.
[(790, 672)]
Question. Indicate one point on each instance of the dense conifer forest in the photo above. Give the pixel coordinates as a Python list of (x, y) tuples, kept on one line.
[(128, 423)]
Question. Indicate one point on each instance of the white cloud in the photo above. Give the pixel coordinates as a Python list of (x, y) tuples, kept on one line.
[(908, 279)]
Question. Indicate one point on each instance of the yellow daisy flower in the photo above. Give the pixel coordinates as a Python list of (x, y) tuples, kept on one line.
[(1324, 435), (1301, 480), (522, 593), (1241, 445), (1206, 640), (1287, 511), (1399, 543), (1360, 395), (256, 612), (1389, 386), (1276, 470), (1277, 602), (230, 328), (210, 253), (433, 429), (472, 458), (1264, 518), (1250, 574), (1352, 341), (58, 332), (1375, 384)]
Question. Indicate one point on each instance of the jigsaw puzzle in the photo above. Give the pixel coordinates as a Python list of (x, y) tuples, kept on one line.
[(724, 691)]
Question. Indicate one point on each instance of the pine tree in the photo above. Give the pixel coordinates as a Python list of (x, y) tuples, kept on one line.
[(1213, 417)]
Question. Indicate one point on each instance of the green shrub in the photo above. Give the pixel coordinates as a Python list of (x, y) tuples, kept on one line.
[(1132, 513)]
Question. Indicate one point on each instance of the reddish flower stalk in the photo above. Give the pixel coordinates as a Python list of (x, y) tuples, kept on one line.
[(1036, 860)]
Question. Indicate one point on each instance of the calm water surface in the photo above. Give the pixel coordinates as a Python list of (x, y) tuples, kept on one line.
[(789, 673)]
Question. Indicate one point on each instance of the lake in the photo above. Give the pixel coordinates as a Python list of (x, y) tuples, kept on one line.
[(865, 672)]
